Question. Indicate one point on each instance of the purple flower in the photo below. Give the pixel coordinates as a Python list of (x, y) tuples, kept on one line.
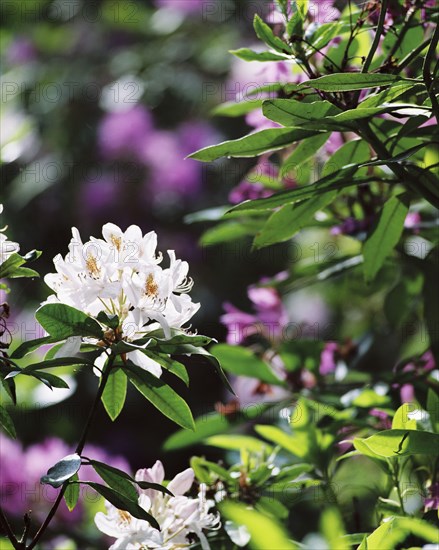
[(125, 133), (328, 362), (186, 7), (99, 194), (431, 502), (334, 143), (412, 220), (384, 420), (268, 321), (21, 50), (351, 226), (21, 470), (248, 191), (171, 173)]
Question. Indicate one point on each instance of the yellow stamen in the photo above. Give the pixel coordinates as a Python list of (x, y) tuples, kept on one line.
[(92, 266), (125, 517), (151, 287), (117, 242)]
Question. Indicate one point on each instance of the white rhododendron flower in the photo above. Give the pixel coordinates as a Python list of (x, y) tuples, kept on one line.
[(7, 248), (179, 517), (121, 275)]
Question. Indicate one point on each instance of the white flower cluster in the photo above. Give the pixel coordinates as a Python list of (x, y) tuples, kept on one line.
[(120, 275), (179, 517), (7, 248)]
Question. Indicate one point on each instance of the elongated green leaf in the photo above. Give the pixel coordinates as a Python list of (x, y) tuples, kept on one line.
[(115, 392), (162, 396), (30, 345), (213, 424), (241, 361), (71, 494), (345, 82), (395, 530), (226, 232), (51, 380), (265, 33), (433, 409), (290, 112), (302, 152), (234, 442), (52, 363), (254, 144), (62, 470), (339, 180), (385, 236), (121, 502), (265, 531), (398, 443), (291, 218), (355, 151), (376, 100), (116, 480), (62, 321), (234, 109), (249, 55), (113, 477), (169, 364), (7, 423)]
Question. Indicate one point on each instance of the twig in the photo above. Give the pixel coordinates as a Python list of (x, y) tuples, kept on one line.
[(7, 528), (426, 72), (79, 449)]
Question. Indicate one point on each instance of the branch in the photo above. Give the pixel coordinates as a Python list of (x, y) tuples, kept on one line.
[(376, 40), (79, 449), (426, 72), (9, 533)]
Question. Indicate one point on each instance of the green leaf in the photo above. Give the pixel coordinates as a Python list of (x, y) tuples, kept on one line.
[(339, 180), (226, 232), (290, 112), (71, 494), (385, 235), (332, 528), (401, 420), (116, 479), (398, 443), (29, 346), (214, 361), (291, 218), (395, 530), (433, 409), (7, 423), (111, 321), (213, 424), (121, 502), (302, 152), (51, 380), (265, 531), (123, 482), (249, 55), (265, 33), (62, 321), (233, 442), (345, 82), (115, 392), (254, 144), (62, 471), (11, 268), (354, 151), (171, 365), (243, 362), (235, 109), (297, 444), (162, 396), (376, 100)]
